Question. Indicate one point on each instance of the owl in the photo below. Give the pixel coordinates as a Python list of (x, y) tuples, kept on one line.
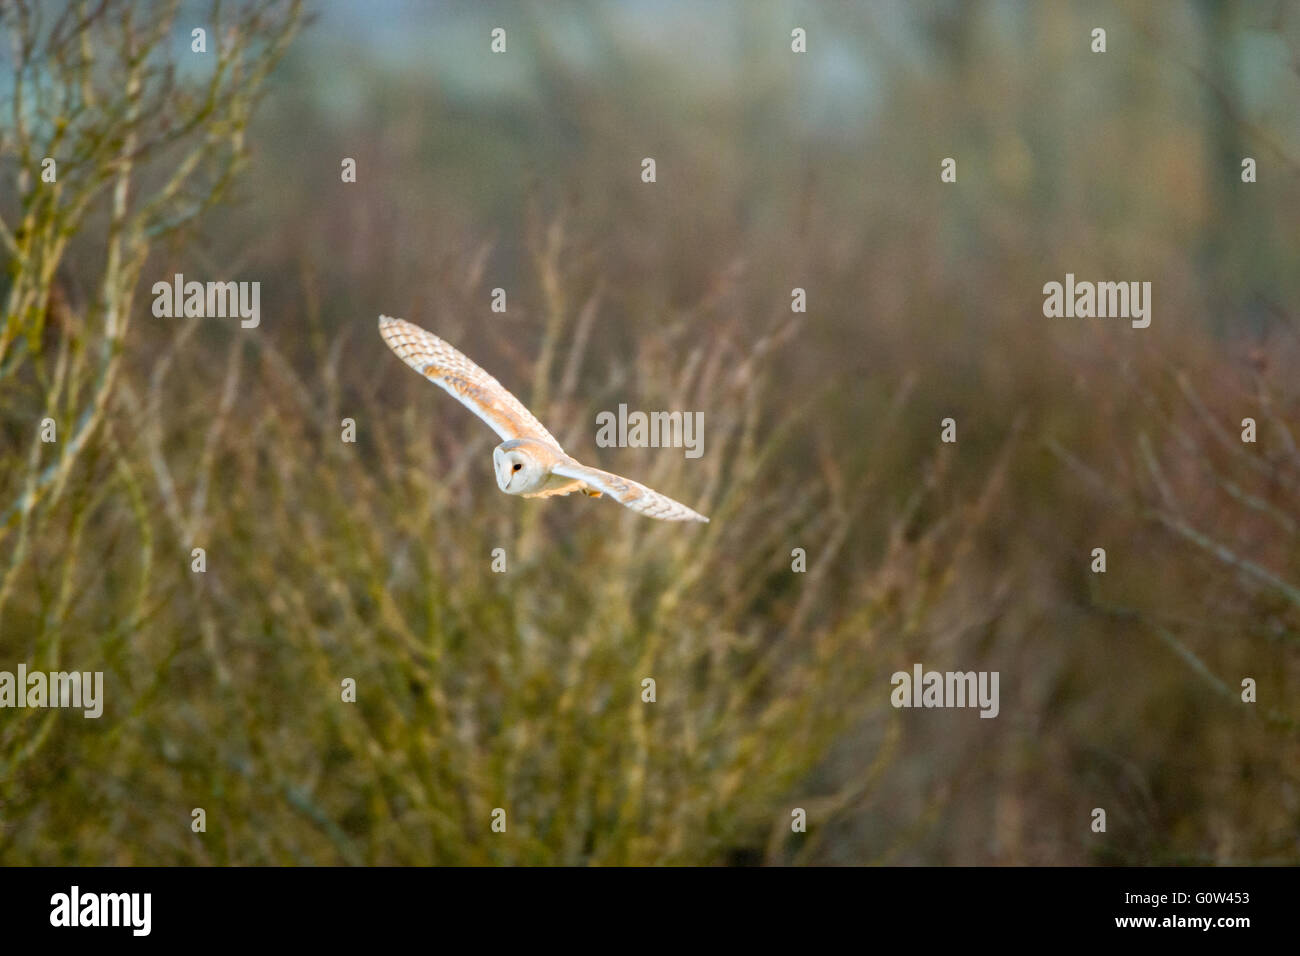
[(530, 462)]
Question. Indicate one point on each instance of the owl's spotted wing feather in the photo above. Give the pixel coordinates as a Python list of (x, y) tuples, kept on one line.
[(628, 493), (474, 388)]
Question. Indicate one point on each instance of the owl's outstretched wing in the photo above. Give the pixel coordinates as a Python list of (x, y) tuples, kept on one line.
[(628, 493), (474, 388)]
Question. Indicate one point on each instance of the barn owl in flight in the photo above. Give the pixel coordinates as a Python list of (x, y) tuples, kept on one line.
[(530, 462)]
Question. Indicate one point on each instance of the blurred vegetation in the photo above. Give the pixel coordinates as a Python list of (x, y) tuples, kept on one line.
[(522, 690)]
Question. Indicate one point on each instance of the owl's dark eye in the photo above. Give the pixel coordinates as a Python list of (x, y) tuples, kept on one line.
[(517, 467)]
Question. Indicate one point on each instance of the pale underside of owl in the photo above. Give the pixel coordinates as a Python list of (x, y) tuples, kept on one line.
[(529, 462)]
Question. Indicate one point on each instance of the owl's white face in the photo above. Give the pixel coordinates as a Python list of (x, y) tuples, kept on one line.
[(519, 471)]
